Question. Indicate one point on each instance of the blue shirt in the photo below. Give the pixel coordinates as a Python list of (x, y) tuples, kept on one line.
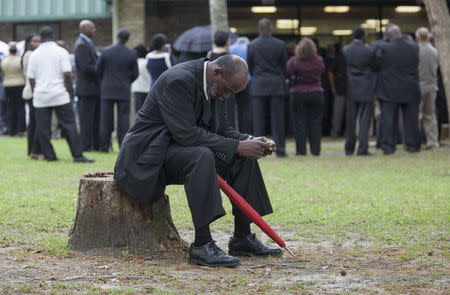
[(240, 49)]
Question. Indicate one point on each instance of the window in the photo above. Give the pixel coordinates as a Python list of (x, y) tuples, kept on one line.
[(21, 31)]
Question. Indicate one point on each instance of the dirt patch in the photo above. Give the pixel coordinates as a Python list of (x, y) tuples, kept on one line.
[(319, 268)]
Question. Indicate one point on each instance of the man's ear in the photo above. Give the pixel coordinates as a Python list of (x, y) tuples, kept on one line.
[(218, 71)]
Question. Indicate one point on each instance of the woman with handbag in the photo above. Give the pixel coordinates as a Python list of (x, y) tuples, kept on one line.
[(306, 95)]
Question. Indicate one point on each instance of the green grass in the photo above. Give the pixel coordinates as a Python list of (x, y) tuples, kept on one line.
[(399, 200)]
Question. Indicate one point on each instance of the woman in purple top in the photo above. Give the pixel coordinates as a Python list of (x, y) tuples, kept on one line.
[(306, 96)]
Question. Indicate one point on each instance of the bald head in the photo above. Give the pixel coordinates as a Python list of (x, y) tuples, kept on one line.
[(226, 75), (265, 26), (422, 35), (87, 28), (393, 32)]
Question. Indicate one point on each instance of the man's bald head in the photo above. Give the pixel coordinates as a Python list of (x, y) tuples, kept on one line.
[(226, 75), (394, 32), (87, 28), (422, 35)]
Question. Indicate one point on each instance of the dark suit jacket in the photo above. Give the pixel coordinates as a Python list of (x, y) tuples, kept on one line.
[(176, 111), (117, 68), (360, 78), (266, 58), (86, 71), (399, 78)]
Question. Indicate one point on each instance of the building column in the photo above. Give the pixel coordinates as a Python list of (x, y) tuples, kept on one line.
[(129, 14)]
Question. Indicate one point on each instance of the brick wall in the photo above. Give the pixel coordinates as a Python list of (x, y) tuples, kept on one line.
[(132, 17), (6, 32)]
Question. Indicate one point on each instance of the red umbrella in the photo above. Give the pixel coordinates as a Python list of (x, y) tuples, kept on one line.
[(251, 213)]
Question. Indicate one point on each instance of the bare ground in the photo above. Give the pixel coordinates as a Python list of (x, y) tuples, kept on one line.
[(319, 268)]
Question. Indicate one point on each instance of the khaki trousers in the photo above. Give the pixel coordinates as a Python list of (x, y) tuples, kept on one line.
[(427, 117)]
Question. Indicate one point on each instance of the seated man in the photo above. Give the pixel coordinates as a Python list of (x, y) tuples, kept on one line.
[(181, 136)]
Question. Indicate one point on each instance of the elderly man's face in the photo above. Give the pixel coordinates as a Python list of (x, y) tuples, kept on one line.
[(222, 87)]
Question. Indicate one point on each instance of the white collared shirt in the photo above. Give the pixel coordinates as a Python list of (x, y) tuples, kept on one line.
[(204, 80), (47, 65)]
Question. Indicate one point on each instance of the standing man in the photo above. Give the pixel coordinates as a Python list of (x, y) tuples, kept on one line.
[(267, 57), (88, 88), (337, 76), (181, 135), (428, 66), (49, 71), (398, 61), (359, 59), (117, 68)]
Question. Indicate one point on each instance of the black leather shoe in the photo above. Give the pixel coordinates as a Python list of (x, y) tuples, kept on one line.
[(211, 255), (251, 246), (83, 159)]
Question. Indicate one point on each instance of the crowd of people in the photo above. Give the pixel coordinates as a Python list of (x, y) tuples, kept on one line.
[(388, 89)]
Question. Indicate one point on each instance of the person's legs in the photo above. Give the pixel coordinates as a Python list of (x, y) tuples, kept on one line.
[(259, 106), (411, 126), (33, 143), (139, 98), (429, 121), (20, 109), (123, 119), (106, 124), (315, 121), (11, 115), (88, 109), (301, 125), (351, 113), (388, 111), (277, 123), (44, 132), (66, 119), (338, 114), (365, 114), (295, 106)]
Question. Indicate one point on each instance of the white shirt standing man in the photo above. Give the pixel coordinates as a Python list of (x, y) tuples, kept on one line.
[(49, 71), (428, 65)]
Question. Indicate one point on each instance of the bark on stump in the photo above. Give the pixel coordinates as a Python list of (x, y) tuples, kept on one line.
[(106, 217)]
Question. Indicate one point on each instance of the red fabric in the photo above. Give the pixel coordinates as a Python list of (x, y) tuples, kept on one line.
[(249, 211)]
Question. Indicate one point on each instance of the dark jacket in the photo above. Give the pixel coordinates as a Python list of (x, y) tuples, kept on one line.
[(117, 68), (308, 74), (360, 78), (176, 111), (398, 78), (86, 71), (266, 58)]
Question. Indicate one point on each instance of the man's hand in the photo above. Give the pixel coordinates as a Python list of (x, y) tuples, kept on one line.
[(252, 149), (270, 143)]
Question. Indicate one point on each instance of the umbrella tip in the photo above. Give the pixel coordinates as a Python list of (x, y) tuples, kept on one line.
[(289, 251)]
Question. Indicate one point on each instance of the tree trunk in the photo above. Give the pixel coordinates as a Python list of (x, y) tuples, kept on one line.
[(106, 218), (439, 19), (218, 14)]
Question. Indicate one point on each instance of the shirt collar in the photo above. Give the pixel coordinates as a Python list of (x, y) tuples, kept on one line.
[(87, 39), (204, 80)]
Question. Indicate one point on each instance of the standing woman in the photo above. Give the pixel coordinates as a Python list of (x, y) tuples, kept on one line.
[(14, 81), (306, 96), (141, 86), (34, 148), (159, 59)]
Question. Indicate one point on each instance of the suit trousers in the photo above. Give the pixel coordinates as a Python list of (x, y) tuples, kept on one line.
[(15, 110), (363, 112), (260, 105), (139, 98), (428, 118), (244, 110), (389, 115), (107, 121), (307, 109), (196, 168), (34, 146), (66, 120), (89, 110), (338, 115)]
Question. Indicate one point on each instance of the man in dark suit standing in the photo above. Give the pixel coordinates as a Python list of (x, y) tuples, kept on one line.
[(267, 57), (87, 86), (181, 135), (399, 89), (360, 60), (117, 68)]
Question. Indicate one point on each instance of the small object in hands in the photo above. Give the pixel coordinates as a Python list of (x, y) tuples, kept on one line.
[(251, 213)]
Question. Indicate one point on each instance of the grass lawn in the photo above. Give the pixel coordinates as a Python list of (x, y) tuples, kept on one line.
[(358, 208)]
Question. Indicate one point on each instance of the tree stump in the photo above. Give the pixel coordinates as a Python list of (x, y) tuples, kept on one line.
[(106, 217)]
